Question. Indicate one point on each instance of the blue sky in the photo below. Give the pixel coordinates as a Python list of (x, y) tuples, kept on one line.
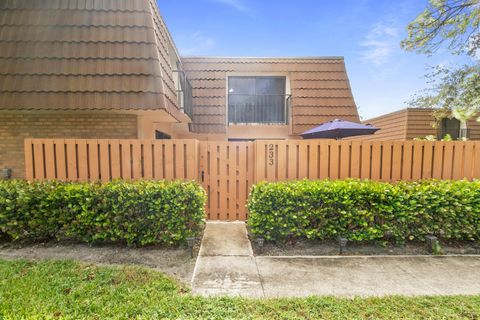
[(366, 32)]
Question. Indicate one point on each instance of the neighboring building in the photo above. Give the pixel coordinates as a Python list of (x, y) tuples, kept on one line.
[(411, 123), (110, 69)]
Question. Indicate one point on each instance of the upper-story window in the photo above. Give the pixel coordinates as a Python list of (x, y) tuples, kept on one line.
[(184, 91), (257, 100), (183, 88)]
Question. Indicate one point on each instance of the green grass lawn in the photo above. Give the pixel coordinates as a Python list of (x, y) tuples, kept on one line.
[(70, 290)]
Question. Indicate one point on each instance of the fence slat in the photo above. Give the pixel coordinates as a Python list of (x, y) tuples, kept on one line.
[(376, 166), (215, 183), (136, 159), (344, 159), (147, 160), (334, 160), (312, 161), (458, 161), (158, 160), (476, 161), (386, 161), (115, 156), (281, 160), (397, 161), (324, 157), (438, 160), (417, 160), (407, 160), (223, 181), (28, 146), (37, 163), (427, 171), (39, 172), (355, 160), (448, 160), (93, 160), (49, 160), (204, 174), (292, 161), (180, 160), (126, 160), (241, 181), (468, 160), (366, 160), (168, 157), (231, 182), (82, 156), (72, 173), (104, 160), (303, 161), (60, 159), (251, 179)]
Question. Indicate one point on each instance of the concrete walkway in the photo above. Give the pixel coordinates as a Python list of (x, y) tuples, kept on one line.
[(369, 276), (226, 266)]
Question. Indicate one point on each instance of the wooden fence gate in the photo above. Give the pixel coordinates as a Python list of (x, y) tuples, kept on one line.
[(227, 170)]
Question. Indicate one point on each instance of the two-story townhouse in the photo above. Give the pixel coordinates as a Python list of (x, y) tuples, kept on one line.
[(110, 69)]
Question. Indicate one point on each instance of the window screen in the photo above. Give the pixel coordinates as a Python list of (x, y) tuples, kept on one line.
[(256, 100)]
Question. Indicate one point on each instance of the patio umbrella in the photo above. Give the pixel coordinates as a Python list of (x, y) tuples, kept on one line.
[(337, 129)]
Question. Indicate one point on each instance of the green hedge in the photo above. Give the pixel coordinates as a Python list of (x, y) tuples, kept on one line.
[(366, 210), (135, 213)]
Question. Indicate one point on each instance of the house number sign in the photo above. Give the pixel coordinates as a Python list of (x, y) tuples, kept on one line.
[(271, 155)]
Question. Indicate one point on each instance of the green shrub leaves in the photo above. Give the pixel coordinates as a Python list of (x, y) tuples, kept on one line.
[(136, 213), (366, 210)]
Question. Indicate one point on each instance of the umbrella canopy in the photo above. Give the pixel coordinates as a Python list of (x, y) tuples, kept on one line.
[(337, 129)]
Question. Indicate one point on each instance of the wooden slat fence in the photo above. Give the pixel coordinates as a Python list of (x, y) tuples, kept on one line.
[(90, 160), (228, 169), (375, 160)]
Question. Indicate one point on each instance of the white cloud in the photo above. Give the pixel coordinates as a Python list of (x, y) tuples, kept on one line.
[(380, 43), (195, 43), (236, 4)]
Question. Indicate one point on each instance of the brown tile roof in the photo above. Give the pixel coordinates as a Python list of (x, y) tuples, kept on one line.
[(319, 86), (85, 54)]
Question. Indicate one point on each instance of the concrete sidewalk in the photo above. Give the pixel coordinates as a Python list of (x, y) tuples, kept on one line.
[(226, 266), (369, 276)]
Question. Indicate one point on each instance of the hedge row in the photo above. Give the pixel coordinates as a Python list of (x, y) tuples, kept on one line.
[(366, 210), (135, 213)]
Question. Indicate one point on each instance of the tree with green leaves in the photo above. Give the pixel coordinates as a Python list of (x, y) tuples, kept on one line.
[(454, 24)]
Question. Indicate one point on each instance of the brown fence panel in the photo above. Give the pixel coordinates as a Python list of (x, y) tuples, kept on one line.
[(375, 160), (104, 160)]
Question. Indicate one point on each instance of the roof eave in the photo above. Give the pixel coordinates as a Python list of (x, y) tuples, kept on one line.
[(266, 58)]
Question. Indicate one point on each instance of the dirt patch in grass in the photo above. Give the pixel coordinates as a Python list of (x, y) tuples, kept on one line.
[(175, 262), (331, 248)]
